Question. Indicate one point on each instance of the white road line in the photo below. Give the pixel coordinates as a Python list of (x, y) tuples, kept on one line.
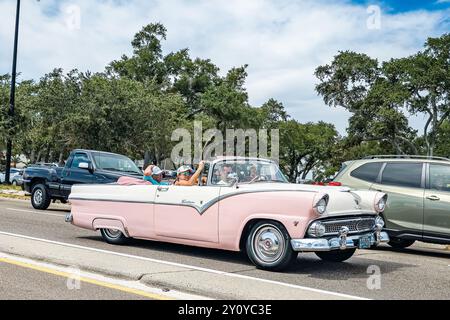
[(36, 212), (233, 275)]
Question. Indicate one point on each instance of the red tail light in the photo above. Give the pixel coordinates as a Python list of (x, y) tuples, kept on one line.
[(335, 184)]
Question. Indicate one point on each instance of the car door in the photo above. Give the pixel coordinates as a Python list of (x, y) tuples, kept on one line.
[(404, 182), (437, 201), (190, 213), (72, 174)]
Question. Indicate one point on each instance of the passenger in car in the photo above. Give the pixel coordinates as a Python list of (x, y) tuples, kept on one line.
[(154, 175), (186, 176)]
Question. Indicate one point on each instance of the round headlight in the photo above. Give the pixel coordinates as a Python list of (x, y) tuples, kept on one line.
[(381, 205), (379, 220), (316, 229), (321, 206)]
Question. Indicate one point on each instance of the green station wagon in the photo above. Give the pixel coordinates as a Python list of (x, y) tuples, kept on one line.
[(418, 189)]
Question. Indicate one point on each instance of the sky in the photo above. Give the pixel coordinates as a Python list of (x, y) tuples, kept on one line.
[(282, 41)]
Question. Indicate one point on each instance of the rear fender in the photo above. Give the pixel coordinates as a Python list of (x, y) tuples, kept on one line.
[(115, 224)]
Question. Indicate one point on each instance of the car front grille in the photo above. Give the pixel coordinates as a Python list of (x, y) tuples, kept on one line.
[(355, 225)]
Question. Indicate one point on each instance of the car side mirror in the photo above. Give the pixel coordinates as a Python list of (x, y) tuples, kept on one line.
[(86, 166)]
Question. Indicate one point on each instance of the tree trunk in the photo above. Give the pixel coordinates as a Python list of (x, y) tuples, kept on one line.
[(38, 158), (61, 158), (32, 155), (147, 159)]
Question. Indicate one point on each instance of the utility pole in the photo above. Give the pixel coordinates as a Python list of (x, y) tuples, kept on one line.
[(12, 98)]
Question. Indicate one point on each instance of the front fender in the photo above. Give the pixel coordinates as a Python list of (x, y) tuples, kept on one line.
[(295, 225)]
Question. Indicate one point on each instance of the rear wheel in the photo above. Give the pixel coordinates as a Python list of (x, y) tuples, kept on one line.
[(14, 183), (336, 255), (40, 198), (268, 246), (400, 243), (113, 236)]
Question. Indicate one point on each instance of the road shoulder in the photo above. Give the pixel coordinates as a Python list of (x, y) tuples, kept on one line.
[(161, 275)]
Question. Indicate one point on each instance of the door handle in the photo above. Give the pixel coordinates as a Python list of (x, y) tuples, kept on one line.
[(163, 189), (433, 198)]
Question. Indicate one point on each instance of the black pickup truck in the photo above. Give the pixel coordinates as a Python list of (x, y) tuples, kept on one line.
[(47, 183)]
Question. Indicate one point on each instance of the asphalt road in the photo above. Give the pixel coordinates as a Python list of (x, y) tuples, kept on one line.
[(421, 272), (23, 283)]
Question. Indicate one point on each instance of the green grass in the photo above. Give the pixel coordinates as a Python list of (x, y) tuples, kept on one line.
[(5, 187), (14, 196)]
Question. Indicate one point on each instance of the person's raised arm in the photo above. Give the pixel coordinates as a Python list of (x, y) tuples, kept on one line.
[(197, 173)]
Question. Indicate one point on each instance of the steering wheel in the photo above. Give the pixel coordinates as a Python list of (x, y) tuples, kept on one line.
[(258, 178)]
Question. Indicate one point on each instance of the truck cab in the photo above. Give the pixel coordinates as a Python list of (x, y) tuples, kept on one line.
[(51, 183)]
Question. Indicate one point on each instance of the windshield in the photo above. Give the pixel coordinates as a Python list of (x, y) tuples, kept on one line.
[(113, 162), (246, 171)]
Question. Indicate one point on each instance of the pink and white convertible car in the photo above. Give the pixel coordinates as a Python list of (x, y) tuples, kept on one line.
[(241, 204)]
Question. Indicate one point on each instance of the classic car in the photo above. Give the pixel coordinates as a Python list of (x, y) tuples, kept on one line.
[(239, 204)]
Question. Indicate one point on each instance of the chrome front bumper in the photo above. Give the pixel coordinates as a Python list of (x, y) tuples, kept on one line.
[(342, 242)]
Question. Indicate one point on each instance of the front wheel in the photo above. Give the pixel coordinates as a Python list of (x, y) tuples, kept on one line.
[(398, 243), (40, 199), (336, 255), (113, 236), (268, 246)]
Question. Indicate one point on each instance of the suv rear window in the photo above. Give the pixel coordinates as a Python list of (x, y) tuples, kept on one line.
[(367, 172), (403, 174)]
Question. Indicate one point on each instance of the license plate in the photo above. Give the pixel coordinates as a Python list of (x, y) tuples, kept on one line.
[(364, 242)]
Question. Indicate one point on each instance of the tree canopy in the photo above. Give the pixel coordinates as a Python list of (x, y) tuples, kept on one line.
[(381, 97), (135, 104)]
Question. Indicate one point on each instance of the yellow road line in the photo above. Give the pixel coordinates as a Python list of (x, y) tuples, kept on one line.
[(87, 280)]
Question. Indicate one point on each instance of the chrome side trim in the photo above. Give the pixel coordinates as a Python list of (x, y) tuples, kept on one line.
[(200, 209)]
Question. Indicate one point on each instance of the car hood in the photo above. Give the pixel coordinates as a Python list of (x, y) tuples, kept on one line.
[(341, 200)]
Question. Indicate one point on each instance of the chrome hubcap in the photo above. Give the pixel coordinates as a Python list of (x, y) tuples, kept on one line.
[(37, 197), (111, 233), (268, 244)]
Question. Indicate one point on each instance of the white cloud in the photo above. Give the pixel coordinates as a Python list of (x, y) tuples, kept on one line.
[(282, 41)]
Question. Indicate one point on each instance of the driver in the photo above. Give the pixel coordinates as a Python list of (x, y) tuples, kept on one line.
[(186, 176), (224, 174)]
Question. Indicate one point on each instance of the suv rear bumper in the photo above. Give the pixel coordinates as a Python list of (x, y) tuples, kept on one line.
[(338, 243)]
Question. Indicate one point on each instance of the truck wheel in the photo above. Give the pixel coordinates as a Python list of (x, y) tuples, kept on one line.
[(113, 236), (268, 246), (398, 243), (336, 255), (40, 199)]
